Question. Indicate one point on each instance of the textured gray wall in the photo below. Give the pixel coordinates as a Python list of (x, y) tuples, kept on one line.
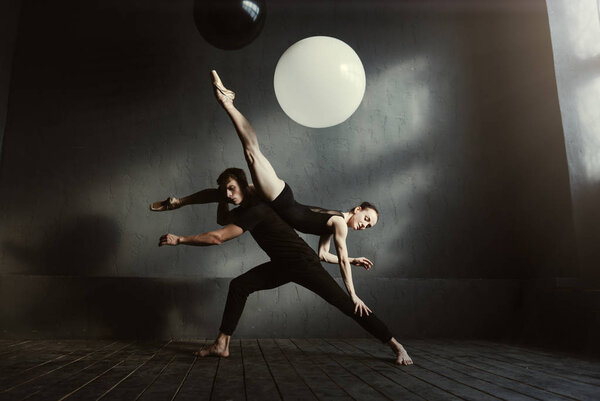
[(458, 141)]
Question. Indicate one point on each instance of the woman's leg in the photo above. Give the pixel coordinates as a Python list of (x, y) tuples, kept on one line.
[(263, 174)]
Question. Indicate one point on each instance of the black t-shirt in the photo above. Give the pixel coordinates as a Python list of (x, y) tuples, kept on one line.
[(270, 232)]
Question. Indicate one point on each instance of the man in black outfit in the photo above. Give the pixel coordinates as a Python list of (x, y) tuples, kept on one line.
[(292, 260)]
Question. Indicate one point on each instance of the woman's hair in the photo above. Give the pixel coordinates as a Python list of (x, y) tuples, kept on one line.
[(367, 205), (233, 173)]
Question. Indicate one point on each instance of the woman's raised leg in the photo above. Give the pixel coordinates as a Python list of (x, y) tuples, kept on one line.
[(263, 174)]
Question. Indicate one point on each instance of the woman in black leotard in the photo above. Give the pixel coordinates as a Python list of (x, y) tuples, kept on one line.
[(325, 223)]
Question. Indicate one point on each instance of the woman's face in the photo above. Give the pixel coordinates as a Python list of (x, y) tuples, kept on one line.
[(362, 218)]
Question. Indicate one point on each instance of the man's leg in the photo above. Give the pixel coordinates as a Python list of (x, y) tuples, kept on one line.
[(316, 279), (266, 276), (263, 174)]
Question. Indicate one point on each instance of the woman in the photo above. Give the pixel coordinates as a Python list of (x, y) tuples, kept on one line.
[(307, 219)]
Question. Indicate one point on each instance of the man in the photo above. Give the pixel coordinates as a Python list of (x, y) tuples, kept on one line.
[(292, 260)]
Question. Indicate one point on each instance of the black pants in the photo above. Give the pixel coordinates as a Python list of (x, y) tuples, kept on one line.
[(309, 274)]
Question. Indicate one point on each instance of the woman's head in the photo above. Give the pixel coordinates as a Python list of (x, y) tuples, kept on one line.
[(363, 216)]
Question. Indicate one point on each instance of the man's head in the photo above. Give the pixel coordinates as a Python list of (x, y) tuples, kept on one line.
[(234, 184)]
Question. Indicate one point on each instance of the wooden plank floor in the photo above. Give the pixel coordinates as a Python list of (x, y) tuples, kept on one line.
[(291, 369)]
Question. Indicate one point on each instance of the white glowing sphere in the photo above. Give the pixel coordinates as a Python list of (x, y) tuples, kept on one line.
[(319, 81)]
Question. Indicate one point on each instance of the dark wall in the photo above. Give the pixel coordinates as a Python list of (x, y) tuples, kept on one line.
[(9, 16), (458, 141)]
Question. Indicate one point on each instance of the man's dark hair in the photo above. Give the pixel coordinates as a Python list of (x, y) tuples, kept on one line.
[(233, 173), (367, 205)]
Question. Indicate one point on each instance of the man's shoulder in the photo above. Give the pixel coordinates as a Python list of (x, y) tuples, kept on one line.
[(251, 213), (252, 204)]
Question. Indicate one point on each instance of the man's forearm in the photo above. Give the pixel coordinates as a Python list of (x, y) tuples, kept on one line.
[(205, 239)]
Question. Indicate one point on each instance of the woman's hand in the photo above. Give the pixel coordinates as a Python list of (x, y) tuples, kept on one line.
[(359, 306), (169, 239), (362, 261)]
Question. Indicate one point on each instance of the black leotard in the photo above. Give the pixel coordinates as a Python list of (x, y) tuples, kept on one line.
[(306, 219)]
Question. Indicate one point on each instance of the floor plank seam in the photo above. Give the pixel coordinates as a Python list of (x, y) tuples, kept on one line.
[(367, 366), (470, 375), (53, 370), (423, 380), (269, 368), (518, 381), (355, 375), (132, 372)]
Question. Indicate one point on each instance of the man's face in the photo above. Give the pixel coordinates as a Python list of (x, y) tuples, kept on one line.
[(234, 192)]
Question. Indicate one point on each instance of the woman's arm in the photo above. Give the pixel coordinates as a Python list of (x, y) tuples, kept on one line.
[(328, 257), (339, 237)]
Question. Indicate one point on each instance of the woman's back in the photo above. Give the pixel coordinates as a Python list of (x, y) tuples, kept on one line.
[(306, 219)]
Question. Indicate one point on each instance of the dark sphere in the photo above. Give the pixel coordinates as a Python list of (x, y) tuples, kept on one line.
[(229, 24)]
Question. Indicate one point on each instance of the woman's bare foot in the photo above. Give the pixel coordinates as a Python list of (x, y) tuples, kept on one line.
[(169, 204), (213, 350), (224, 95), (402, 357)]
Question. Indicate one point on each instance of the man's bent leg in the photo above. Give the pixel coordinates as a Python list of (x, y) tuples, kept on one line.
[(266, 276)]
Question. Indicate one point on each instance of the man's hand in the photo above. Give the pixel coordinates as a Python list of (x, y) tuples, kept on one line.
[(359, 306), (362, 261), (169, 239)]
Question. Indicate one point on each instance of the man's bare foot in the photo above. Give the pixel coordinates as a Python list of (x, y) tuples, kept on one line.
[(224, 95), (402, 357), (169, 204), (214, 349)]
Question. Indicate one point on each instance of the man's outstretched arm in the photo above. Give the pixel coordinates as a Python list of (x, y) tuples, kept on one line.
[(230, 231)]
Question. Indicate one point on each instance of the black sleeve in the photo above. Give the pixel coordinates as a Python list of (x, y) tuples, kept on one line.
[(248, 217)]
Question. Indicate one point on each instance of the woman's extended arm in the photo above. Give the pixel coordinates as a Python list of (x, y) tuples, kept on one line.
[(339, 237), (328, 257)]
